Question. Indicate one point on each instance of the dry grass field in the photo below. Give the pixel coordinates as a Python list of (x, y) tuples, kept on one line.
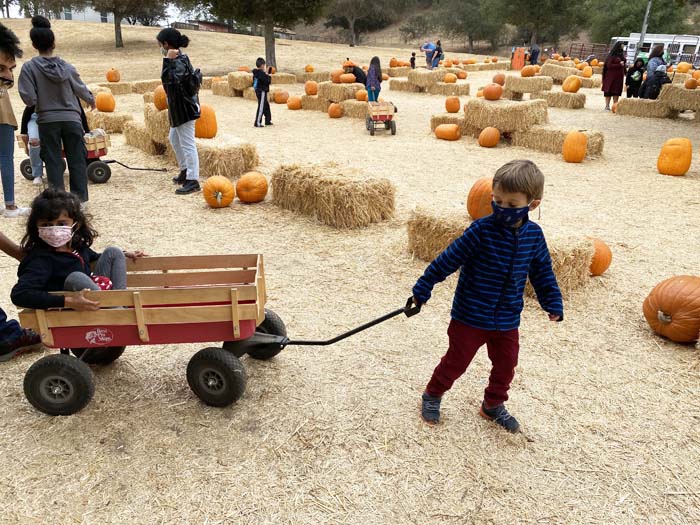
[(610, 412)]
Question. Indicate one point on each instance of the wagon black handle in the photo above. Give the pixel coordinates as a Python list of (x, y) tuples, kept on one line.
[(411, 308), (112, 161)]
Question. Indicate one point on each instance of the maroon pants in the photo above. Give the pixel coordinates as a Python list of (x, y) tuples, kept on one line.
[(464, 342)]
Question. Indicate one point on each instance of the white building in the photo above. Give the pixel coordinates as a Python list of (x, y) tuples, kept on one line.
[(86, 15)]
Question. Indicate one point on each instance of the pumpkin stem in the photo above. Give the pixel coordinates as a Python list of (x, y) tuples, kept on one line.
[(663, 317)]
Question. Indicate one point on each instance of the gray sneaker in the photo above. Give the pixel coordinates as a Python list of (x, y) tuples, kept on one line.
[(499, 415)]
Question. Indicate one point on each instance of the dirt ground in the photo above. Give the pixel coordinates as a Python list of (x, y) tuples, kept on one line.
[(610, 412)]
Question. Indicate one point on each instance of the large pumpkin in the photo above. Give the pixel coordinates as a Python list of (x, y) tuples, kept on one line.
[(105, 102), (696, 75), (462, 75), (335, 75), (587, 72), (480, 197), (448, 132), (311, 87), (469, 61), (684, 67), (361, 95), (393, 62), (499, 78), (691, 83), (205, 127), (280, 97), (218, 191), (245, 69), (385, 77), (602, 257), (448, 63), (347, 78), (308, 68), (572, 84), (294, 103), (450, 78), (528, 71), (594, 62), (335, 110), (452, 104), (581, 65), (480, 93), (160, 98), (574, 147), (672, 309), (251, 187), (489, 137), (494, 59), (493, 92), (113, 75), (675, 157)]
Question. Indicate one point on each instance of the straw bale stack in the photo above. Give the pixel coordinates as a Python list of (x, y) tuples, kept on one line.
[(642, 107), (135, 134), (401, 84), (597, 70), (222, 88), (223, 155), (338, 92), (206, 82), (334, 195), (117, 88), (491, 66), (354, 108), (240, 80), (571, 261), (518, 84), (550, 139), (284, 78), (454, 118), (314, 103), (95, 89), (425, 78), (249, 94), (594, 82), (562, 63), (459, 89), (144, 86), (558, 73), (110, 122), (453, 70), (429, 233), (513, 95), (157, 123), (148, 97), (560, 99), (506, 115), (316, 76), (679, 78), (678, 98), (398, 71)]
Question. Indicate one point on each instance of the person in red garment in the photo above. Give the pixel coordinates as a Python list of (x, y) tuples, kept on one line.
[(613, 75)]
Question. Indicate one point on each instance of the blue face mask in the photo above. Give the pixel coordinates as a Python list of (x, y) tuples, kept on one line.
[(509, 216)]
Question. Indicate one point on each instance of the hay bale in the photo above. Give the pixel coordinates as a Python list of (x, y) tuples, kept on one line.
[(338, 92), (425, 78), (284, 78), (402, 84), (641, 107), (454, 118), (398, 71), (240, 80), (148, 97), (143, 86), (562, 63), (316, 76), (506, 115), (135, 134), (676, 97), (518, 84), (679, 78), (334, 195), (99, 88), (354, 108), (222, 88), (491, 66), (550, 139), (441, 88), (157, 123), (597, 70), (429, 234), (110, 122), (206, 82), (560, 99), (117, 88), (513, 95), (249, 94), (558, 73), (594, 82), (571, 261), (223, 155), (314, 103)]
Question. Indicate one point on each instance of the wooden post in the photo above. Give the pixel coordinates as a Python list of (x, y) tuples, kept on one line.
[(46, 335), (140, 321), (234, 313)]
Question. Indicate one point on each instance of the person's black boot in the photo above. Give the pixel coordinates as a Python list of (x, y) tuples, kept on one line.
[(190, 186), (181, 178)]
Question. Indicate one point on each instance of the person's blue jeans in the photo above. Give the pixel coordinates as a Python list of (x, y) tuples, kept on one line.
[(436, 61), (373, 94), (7, 163), (9, 330)]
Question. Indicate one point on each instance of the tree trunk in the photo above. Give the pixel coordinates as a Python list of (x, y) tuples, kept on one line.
[(118, 31), (353, 37), (269, 32), (471, 44), (533, 38)]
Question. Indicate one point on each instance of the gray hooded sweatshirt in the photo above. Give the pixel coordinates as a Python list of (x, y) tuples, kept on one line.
[(53, 86)]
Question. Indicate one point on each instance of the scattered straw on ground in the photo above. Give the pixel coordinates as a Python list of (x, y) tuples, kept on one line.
[(549, 138), (430, 233), (506, 115)]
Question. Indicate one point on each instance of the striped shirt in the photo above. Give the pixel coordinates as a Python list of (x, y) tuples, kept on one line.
[(495, 263)]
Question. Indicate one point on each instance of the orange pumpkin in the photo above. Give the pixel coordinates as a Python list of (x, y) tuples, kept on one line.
[(347, 78), (335, 75), (480, 197), (675, 157), (696, 75), (499, 78), (581, 65), (335, 110), (575, 146), (105, 102), (537, 68), (461, 75), (251, 187), (470, 61), (393, 62), (280, 97), (587, 72), (691, 83), (614, 107), (487, 61), (494, 60), (113, 75), (684, 67), (160, 98), (450, 78), (602, 257), (205, 127), (272, 70), (528, 71), (244, 68), (577, 61), (672, 308), (594, 62), (448, 63), (493, 92), (572, 84), (294, 103), (669, 69), (385, 77), (452, 104), (308, 68), (480, 93), (218, 191), (361, 95), (448, 132), (489, 137), (311, 87)]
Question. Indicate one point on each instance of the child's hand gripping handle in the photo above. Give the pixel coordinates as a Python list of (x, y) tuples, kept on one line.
[(412, 307)]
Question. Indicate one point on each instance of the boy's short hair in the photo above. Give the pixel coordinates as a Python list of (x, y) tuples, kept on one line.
[(520, 176), (260, 62), (413, 54)]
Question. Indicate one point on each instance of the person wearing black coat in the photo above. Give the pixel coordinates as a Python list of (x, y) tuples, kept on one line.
[(181, 84), (261, 84), (651, 88), (634, 78)]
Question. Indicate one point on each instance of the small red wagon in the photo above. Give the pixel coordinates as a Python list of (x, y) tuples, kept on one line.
[(380, 115)]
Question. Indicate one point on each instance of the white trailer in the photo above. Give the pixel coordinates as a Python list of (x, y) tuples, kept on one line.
[(677, 48)]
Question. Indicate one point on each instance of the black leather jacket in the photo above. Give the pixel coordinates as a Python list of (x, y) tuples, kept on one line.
[(183, 105)]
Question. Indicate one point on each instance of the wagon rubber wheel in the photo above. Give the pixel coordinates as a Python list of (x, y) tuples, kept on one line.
[(393, 127), (59, 385), (99, 172), (216, 376), (99, 356), (272, 325), (371, 131), (25, 168), (368, 122)]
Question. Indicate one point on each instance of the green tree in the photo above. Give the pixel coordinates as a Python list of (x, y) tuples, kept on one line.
[(473, 19), (542, 19), (30, 8), (122, 9), (622, 17), (362, 16)]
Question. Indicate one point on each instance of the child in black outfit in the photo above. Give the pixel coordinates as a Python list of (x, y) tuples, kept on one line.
[(261, 84), (413, 60), (634, 78)]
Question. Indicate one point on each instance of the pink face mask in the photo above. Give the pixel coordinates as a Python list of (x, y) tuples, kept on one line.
[(56, 236)]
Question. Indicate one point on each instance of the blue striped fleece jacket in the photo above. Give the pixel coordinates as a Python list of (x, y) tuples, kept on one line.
[(495, 262)]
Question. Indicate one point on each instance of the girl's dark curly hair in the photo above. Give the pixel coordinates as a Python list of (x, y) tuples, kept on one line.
[(41, 34), (9, 43), (47, 206)]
